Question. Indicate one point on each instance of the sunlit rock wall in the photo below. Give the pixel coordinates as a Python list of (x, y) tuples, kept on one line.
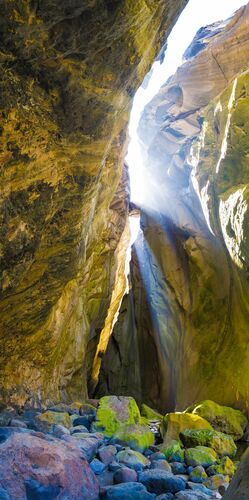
[(68, 71), (194, 251)]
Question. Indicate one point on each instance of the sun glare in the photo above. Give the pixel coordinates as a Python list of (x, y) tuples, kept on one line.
[(196, 14)]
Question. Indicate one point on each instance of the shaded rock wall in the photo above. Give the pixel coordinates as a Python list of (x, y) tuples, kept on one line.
[(193, 259), (68, 72)]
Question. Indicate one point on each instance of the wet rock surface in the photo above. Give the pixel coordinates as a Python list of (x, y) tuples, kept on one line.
[(87, 465)]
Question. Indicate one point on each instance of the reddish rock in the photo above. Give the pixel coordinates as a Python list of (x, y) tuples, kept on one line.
[(31, 465)]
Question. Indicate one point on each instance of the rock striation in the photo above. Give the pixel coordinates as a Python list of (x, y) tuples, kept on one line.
[(189, 270), (68, 72)]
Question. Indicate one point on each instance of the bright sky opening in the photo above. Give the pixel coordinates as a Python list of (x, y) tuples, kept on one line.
[(197, 13)]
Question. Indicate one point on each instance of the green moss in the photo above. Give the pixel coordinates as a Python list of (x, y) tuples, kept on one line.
[(201, 455), (114, 412), (221, 443), (149, 413), (222, 418), (54, 418), (173, 423), (138, 437), (172, 449)]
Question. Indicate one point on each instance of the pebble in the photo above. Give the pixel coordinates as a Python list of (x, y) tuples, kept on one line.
[(97, 466)]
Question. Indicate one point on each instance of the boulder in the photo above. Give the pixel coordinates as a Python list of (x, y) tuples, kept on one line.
[(32, 466), (191, 495), (137, 436), (239, 486), (161, 464), (87, 443), (46, 421), (107, 453), (178, 468), (200, 488), (78, 429), (173, 451), (165, 496), (125, 475), (150, 414), (113, 412), (126, 491), (174, 423), (201, 455), (159, 481), (215, 482), (225, 467), (222, 418), (220, 442), (97, 466), (132, 459), (198, 474)]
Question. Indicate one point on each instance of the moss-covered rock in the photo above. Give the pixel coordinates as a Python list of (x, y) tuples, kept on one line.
[(221, 443), (150, 414), (114, 412), (198, 474), (214, 482), (137, 436), (222, 418), (48, 419), (201, 455), (133, 459), (173, 451), (225, 467), (174, 423)]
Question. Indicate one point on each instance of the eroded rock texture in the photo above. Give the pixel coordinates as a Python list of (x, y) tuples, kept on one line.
[(68, 72), (193, 252)]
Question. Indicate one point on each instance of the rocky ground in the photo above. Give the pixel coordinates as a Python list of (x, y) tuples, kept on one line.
[(110, 449)]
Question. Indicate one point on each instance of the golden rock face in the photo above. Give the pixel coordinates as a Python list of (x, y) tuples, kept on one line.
[(68, 71), (190, 267)]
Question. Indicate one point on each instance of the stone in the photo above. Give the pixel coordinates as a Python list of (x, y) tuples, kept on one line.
[(157, 455), (161, 465), (113, 412), (220, 442), (225, 467), (239, 486), (60, 430), (173, 451), (178, 468), (133, 459), (87, 409), (125, 475), (158, 481), (105, 478), (198, 474), (77, 429), (215, 482), (85, 421), (192, 495), (200, 488), (107, 454), (87, 443), (200, 455), (126, 491), (47, 468), (174, 423), (150, 414), (114, 466), (64, 408), (97, 466), (137, 436), (222, 418), (17, 422), (45, 421)]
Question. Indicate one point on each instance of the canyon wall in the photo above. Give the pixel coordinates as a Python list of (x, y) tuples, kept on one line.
[(189, 270), (69, 70)]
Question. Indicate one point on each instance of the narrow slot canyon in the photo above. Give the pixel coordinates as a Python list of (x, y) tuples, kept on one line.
[(124, 295)]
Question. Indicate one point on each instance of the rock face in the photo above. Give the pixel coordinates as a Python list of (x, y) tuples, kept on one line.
[(189, 271), (34, 467), (239, 486), (68, 72)]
